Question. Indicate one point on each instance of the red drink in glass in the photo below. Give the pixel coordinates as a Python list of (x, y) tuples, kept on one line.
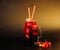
[(30, 31)]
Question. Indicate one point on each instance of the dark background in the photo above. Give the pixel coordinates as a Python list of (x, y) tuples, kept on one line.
[(12, 17)]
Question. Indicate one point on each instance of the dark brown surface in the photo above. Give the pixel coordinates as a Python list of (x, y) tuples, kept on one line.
[(17, 43), (13, 14)]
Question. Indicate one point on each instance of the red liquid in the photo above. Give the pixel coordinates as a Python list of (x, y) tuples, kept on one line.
[(30, 27)]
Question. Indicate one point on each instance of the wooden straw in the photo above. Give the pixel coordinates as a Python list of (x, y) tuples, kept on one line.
[(29, 12), (33, 12)]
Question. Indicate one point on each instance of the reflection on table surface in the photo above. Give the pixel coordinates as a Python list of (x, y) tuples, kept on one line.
[(55, 46), (13, 45)]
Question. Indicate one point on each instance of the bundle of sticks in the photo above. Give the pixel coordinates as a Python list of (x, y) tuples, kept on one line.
[(30, 17)]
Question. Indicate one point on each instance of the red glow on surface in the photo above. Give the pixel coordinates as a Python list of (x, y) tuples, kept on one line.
[(35, 34), (43, 44), (27, 30), (34, 27), (38, 43), (27, 36), (29, 24), (46, 44)]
